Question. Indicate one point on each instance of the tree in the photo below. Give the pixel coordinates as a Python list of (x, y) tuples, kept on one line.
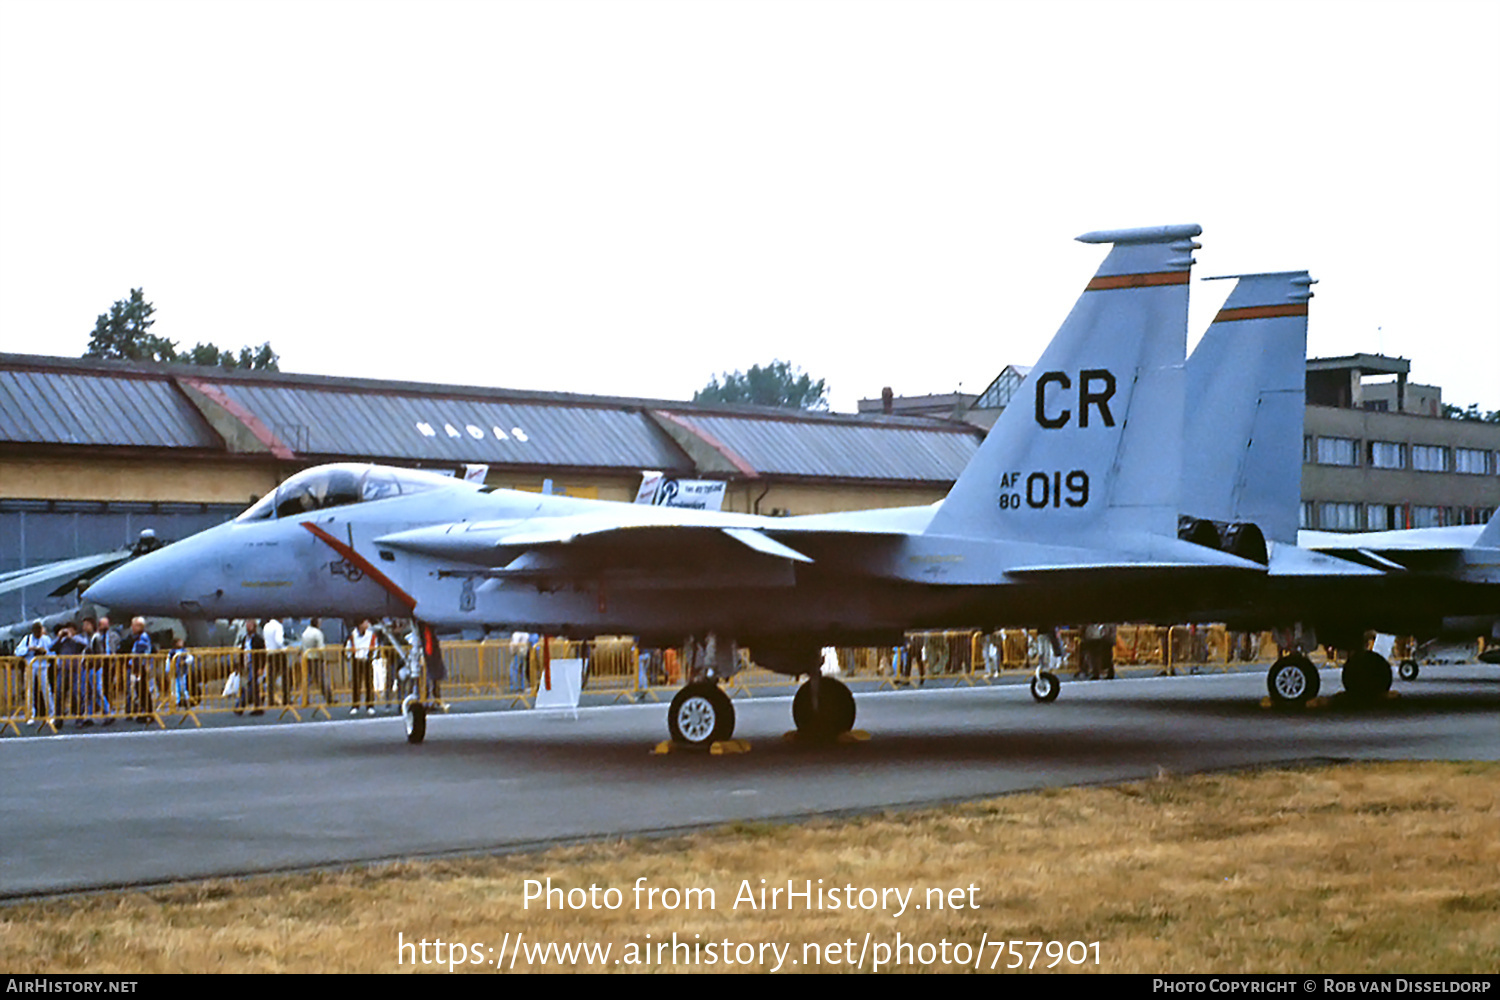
[(775, 384), (261, 358), (1452, 412), (124, 333)]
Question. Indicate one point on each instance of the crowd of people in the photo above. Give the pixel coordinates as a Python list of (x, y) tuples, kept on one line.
[(94, 673), (70, 672)]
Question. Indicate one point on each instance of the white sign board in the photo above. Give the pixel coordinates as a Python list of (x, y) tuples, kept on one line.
[(560, 685), (662, 490)]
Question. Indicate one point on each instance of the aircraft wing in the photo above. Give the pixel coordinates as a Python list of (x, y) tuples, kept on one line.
[(498, 543)]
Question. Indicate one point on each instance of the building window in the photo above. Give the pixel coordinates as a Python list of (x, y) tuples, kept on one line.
[(1308, 453), (1338, 516), (1384, 517), (1473, 461), (1428, 517), (1429, 458), (1338, 451), (1387, 455), (1305, 515)]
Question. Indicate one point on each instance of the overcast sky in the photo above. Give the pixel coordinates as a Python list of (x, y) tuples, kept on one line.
[(631, 197)]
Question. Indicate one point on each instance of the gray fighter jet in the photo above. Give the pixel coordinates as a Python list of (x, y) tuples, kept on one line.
[(1068, 512), (1246, 403)]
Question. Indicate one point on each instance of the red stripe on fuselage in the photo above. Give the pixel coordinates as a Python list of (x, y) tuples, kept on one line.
[(364, 564)]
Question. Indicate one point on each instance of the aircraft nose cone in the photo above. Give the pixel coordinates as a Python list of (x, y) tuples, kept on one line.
[(117, 588), (146, 585)]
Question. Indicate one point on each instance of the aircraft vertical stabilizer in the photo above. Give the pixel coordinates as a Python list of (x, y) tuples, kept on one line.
[(1246, 396), (1093, 442)]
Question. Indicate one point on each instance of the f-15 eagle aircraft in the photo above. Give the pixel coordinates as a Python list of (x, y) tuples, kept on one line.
[(1246, 403), (1068, 512)]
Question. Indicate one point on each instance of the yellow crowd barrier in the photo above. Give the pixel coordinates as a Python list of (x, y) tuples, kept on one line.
[(178, 687)]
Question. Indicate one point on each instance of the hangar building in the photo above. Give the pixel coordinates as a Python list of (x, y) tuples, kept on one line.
[(92, 452)]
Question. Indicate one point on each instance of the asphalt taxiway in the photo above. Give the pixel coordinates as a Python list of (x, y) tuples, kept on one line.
[(100, 810)]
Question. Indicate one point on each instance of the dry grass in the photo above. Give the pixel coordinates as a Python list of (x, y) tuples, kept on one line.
[(1365, 868)]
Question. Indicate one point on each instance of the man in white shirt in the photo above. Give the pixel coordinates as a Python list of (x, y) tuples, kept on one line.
[(276, 662), (36, 649), (362, 644)]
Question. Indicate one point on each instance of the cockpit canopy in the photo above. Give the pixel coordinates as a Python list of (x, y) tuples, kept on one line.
[(340, 485)]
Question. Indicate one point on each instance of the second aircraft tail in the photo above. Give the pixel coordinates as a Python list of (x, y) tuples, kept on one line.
[(1246, 397)]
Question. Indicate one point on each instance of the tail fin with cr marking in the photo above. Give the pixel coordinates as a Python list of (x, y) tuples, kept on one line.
[(1091, 443)]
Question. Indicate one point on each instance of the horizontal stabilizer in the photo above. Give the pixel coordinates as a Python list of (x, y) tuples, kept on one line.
[(1450, 539), (1489, 538), (1290, 560)]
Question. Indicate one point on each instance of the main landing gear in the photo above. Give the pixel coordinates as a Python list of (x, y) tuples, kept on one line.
[(1293, 680), (823, 709), (701, 715), (1367, 675)]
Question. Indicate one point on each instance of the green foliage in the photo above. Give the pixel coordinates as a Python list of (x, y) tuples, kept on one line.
[(1452, 412), (124, 333), (775, 384), (261, 358)]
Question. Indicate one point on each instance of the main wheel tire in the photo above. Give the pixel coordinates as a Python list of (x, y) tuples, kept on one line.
[(1367, 674), (1293, 680), (1409, 670), (701, 714), (1045, 686), (415, 715), (834, 714)]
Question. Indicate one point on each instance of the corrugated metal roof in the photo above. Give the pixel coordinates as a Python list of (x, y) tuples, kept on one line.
[(66, 401), (363, 423), (843, 449), (67, 408)]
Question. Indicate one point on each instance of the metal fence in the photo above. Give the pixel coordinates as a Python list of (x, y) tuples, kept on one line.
[(180, 687)]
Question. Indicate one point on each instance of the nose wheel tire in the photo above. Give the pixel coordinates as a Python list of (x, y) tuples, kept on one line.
[(1293, 680), (831, 717), (1409, 670), (1045, 686), (701, 714), (414, 714)]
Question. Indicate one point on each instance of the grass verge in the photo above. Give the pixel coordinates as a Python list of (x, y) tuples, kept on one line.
[(1353, 868)]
